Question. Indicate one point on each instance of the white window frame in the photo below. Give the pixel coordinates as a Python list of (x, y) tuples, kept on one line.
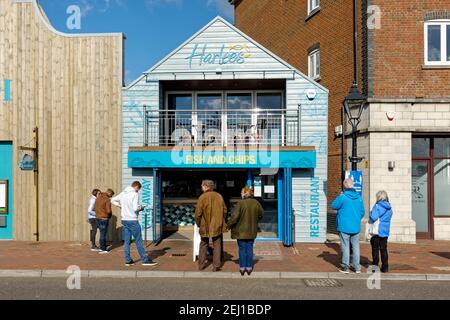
[(313, 5), (444, 54), (312, 64)]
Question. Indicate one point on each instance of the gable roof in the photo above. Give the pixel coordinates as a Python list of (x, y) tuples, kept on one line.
[(271, 61)]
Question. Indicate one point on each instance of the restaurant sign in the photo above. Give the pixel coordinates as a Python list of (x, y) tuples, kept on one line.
[(27, 162), (226, 159), (202, 54)]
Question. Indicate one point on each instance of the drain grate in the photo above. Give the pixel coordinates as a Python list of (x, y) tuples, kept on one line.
[(322, 283), (178, 255)]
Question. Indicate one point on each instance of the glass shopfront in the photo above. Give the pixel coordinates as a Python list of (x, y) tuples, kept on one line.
[(180, 190), (430, 182)]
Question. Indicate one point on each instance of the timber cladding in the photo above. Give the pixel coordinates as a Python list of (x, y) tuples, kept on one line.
[(69, 86)]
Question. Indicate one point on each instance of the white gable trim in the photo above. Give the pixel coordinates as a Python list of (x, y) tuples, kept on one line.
[(218, 18)]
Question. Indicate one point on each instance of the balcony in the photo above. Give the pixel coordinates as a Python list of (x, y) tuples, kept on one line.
[(222, 128)]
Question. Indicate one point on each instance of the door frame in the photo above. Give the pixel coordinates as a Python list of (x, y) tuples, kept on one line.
[(430, 204), (157, 207), (430, 159), (7, 233)]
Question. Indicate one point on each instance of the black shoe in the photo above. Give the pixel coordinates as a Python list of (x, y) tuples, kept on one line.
[(242, 272), (385, 270), (216, 269), (129, 263), (149, 263), (94, 248), (344, 270), (249, 271)]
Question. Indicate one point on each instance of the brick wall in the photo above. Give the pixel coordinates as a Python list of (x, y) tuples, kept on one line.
[(282, 27), (398, 51)]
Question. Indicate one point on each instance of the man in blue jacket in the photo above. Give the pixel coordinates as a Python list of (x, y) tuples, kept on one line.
[(350, 211)]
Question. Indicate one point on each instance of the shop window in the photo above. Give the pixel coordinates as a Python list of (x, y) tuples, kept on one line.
[(314, 64), (437, 42), (442, 147), (441, 187), (421, 147), (313, 5), (269, 101)]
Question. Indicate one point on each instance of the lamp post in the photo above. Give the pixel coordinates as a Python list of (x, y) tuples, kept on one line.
[(354, 101), (353, 105)]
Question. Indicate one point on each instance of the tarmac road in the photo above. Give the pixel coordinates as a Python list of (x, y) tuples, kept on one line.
[(215, 289)]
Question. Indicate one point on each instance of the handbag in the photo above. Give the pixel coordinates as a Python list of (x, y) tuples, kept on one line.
[(372, 229)]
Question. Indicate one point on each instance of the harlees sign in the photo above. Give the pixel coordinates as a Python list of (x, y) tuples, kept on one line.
[(231, 54)]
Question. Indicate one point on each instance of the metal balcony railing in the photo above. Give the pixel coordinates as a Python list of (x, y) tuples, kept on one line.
[(256, 127)]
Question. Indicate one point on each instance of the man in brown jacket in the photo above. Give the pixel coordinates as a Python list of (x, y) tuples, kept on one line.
[(210, 215), (103, 213)]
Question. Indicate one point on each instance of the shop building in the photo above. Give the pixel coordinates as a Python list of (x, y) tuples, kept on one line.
[(404, 71), (222, 107), (68, 87)]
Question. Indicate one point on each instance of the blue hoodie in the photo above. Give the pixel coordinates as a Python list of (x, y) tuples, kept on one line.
[(350, 210), (382, 210)]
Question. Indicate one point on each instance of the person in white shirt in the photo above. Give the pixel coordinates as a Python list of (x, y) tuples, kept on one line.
[(128, 202), (92, 219)]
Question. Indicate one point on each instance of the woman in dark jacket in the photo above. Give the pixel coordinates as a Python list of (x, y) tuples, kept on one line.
[(243, 224)]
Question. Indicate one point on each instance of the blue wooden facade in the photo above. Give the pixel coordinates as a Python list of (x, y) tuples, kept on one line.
[(220, 52)]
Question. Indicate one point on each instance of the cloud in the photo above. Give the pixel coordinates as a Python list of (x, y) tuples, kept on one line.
[(88, 6), (223, 6), (151, 4)]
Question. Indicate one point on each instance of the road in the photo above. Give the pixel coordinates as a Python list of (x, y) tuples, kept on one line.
[(217, 289)]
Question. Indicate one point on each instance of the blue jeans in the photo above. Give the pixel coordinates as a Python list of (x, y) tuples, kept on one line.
[(246, 254), (133, 229), (103, 226), (346, 241)]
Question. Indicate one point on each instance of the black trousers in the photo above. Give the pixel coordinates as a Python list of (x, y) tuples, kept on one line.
[(93, 232), (379, 246)]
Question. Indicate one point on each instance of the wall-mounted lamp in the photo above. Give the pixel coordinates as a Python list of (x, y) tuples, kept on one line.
[(391, 165)]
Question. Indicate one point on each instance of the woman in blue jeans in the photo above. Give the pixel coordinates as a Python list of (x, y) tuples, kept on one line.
[(243, 224)]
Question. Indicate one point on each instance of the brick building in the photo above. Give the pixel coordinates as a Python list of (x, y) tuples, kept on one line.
[(404, 61)]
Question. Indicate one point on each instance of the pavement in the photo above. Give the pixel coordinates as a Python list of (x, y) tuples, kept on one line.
[(426, 260), (166, 289)]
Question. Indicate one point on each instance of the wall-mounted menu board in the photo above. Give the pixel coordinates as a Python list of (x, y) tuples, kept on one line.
[(3, 196)]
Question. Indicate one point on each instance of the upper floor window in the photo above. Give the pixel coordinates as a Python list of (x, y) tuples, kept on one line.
[(313, 5), (437, 42), (314, 64)]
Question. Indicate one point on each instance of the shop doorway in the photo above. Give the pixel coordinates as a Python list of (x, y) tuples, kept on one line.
[(430, 182), (6, 191), (180, 190)]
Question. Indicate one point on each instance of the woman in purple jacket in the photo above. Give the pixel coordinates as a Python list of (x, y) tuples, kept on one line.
[(381, 211)]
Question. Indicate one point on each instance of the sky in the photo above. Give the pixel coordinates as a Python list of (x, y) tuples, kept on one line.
[(153, 28)]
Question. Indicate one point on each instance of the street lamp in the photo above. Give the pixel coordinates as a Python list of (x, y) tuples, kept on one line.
[(353, 105)]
